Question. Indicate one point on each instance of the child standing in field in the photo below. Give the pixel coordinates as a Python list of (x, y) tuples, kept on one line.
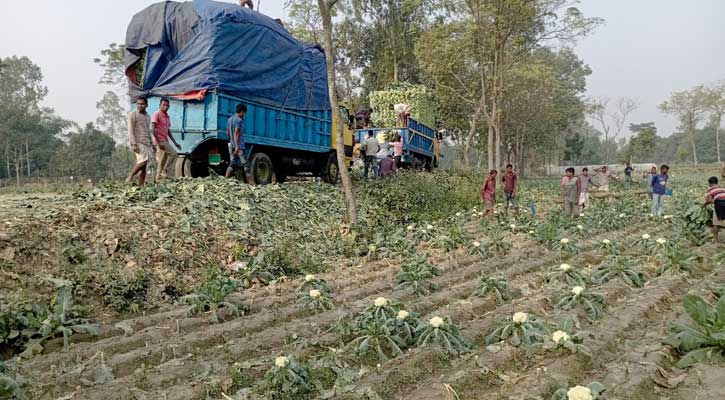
[(571, 191), (488, 193), (509, 180), (659, 190), (585, 181)]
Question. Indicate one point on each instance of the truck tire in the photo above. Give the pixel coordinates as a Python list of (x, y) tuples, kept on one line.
[(331, 171), (262, 168), (183, 166)]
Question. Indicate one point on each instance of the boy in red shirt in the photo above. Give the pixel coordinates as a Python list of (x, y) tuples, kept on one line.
[(488, 193)]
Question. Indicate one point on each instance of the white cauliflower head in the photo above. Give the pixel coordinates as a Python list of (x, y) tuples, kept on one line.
[(520, 317), (564, 241), (579, 393), (646, 236), (281, 361), (314, 293), (402, 314), (436, 322), (381, 302), (661, 241), (559, 337), (577, 290), (565, 267), (309, 278)]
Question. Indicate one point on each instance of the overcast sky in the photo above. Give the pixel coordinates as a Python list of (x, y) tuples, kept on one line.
[(646, 49)]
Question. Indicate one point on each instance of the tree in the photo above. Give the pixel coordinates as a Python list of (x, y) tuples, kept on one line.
[(112, 121), (396, 25), (325, 7), (113, 66), (611, 117), (86, 153), (28, 132), (689, 107), (716, 108), (642, 144)]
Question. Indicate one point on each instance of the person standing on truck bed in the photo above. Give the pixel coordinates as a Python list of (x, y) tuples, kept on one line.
[(248, 3), (372, 146), (139, 137), (235, 132), (403, 112), (161, 125)]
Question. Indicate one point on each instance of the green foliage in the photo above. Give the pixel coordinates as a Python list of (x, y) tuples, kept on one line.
[(442, 334), (593, 303), (531, 332), (64, 317), (415, 275), (497, 242), (288, 381), (695, 222), (593, 390), (11, 387), (496, 284), (212, 297), (609, 247), (454, 237), (703, 340), (676, 259), (376, 338), (19, 323), (618, 267), (315, 300), (96, 147), (127, 291), (564, 338), (269, 265), (565, 274)]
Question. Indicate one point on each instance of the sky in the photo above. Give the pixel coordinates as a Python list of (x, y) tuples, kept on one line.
[(645, 50)]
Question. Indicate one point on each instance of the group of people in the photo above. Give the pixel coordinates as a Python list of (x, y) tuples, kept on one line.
[(149, 137), (488, 191), (403, 111), (381, 160)]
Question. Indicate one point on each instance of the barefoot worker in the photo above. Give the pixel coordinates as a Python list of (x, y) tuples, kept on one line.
[(716, 196), (488, 193), (139, 137)]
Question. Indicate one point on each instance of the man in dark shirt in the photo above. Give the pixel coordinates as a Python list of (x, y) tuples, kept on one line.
[(509, 180), (628, 173)]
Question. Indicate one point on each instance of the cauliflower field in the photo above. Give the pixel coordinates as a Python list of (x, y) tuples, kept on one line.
[(201, 290)]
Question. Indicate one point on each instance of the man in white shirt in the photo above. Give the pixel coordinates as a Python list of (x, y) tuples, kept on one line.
[(403, 112), (372, 147)]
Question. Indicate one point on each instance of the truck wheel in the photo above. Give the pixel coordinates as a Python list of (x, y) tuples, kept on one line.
[(262, 169), (183, 166), (331, 171)]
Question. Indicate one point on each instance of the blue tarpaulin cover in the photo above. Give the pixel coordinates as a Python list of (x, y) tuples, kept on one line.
[(207, 45)]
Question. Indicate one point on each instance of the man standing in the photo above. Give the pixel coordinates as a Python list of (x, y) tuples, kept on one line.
[(716, 196), (371, 149), (235, 132), (509, 180), (571, 190), (647, 176), (161, 125), (403, 112), (628, 173), (488, 193), (139, 137), (603, 176), (659, 190), (584, 182)]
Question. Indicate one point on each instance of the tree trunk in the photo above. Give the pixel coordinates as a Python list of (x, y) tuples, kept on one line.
[(325, 6), (18, 164), (473, 124), (490, 147), (718, 120), (27, 157)]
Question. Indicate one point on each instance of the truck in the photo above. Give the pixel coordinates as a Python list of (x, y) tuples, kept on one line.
[(206, 57), (420, 144)]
